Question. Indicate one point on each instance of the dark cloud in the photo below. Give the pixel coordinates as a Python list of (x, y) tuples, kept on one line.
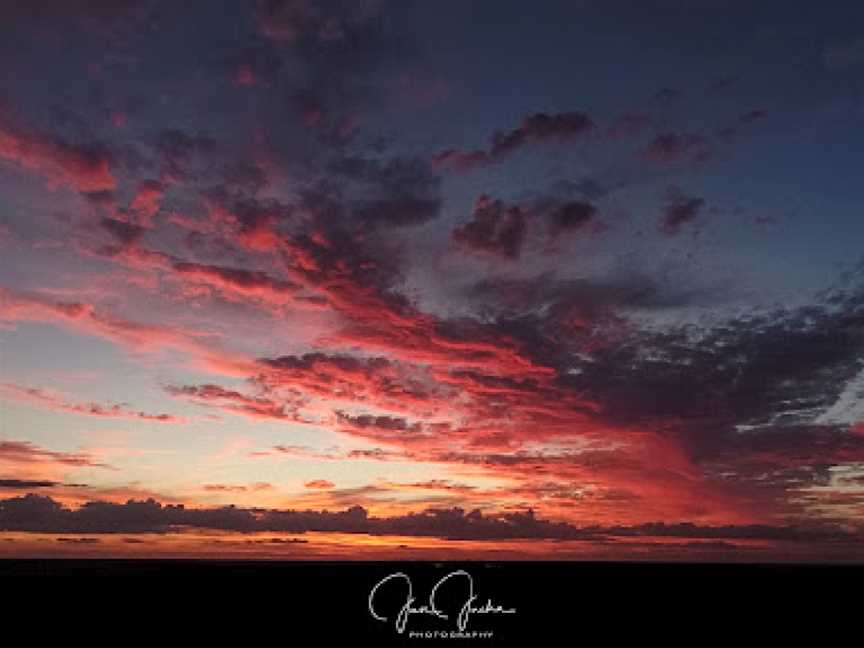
[(247, 177), (394, 192), (675, 148), (571, 216), (533, 358), (124, 233), (399, 212), (34, 513), (24, 484), (679, 211), (502, 229), (334, 50), (179, 150), (778, 368), (495, 228), (538, 127), (550, 294)]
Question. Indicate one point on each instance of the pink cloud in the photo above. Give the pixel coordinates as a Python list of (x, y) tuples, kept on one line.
[(55, 402), (83, 169)]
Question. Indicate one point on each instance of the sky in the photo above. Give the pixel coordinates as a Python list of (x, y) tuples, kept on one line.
[(403, 279)]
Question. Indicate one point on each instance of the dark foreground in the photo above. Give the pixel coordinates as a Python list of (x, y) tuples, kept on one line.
[(257, 603)]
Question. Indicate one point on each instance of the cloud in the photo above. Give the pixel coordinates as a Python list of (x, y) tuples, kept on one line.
[(395, 192), (255, 65), (178, 150), (48, 400), (321, 484), (679, 211), (303, 452), (381, 428), (145, 204), (676, 148), (482, 393), (342, 378), (501, 230), (237, 488), (536, 128), (135, 336), (85, 169), (26, 484), (35, 513), (24, 452), (237, 280), (325, 22), (571, 216), (742, 400), (546, 382), (577, 303), (229, 282), (494, 228), (126, 234), (335, 51), (231, 401), (257, 222)]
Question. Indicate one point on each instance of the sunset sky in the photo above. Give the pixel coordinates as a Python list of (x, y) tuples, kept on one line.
[(318, 279)]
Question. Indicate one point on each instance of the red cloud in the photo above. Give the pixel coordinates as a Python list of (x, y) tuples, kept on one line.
[(236, 280), (137, 336), (146, 202), (231, 283), (83, 169)]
